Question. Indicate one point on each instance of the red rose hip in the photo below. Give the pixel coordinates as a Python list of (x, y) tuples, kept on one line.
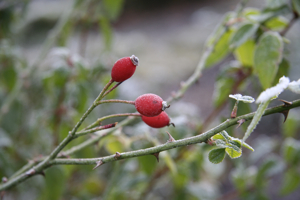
[(124, 68), (150, 105), (158, 121)]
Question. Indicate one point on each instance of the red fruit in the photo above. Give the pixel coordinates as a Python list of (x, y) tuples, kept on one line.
[(124, 68), (158, 121), (150, 105)]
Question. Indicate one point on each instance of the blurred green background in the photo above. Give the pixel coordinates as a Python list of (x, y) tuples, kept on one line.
[(56, 56)]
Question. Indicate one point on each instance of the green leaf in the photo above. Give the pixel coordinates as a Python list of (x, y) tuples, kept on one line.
[(216, 155), (272, 4), (291, 181), (245, 53), (232, 153), (259, 112), (113, 8), (296, 6), (147, 163), (239, 97), (106, 31), (225, 135), (218, 137), (283, 70), (245, 32), (113, 145), (220, 50), (244, 144), (267, 57), (221, 143), (291, 151), (277, 23), (223, 88)]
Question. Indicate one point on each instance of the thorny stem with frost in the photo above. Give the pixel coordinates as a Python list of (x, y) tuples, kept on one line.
[(170, 145)]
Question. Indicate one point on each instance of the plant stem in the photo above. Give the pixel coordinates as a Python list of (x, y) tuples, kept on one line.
[(98, 122), (178, 143), (115, 101)]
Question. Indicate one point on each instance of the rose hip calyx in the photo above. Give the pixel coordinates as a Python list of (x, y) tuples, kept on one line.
[(134, 60)]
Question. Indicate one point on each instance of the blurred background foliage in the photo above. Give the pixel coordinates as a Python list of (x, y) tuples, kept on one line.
[(55, 57)]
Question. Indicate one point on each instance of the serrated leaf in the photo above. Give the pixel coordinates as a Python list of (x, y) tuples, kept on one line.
[(239, 97), (243, 34), (258, 114), (245, 53), (296, 6), (225, 135), (244, 144), (216, 155), (221, 49), (277, 23), (218, 137), (221, 143), (267, 57), (232, 153)]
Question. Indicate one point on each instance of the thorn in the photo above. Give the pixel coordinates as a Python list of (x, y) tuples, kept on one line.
[(241, 121), (117, 155), (98, 164), (286, 103), (171, 139), (285, 113), (30, 172), (156, 156), (4, 179)]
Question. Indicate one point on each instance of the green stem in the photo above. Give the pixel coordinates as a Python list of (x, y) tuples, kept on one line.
[(115, 101), (98, 122), (170, 145)]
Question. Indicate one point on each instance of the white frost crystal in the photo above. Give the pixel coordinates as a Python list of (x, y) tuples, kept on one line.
[(273, 92), (294, 86)]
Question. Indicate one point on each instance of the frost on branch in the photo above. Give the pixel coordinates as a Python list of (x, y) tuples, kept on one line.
[(294, 86), (273, 92)]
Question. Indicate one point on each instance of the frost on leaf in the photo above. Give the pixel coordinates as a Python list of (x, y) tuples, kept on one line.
[(239, 97), (273, 92), (294, 86)]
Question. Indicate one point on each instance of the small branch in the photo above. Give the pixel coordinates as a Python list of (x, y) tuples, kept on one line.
[(175, 144), (98, 122), (115, 101), (111, 89), (81, 133)]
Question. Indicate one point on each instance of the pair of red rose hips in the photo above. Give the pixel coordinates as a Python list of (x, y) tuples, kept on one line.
[(150, 106)]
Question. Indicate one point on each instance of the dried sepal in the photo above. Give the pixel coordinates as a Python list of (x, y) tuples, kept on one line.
[(98, 164)]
